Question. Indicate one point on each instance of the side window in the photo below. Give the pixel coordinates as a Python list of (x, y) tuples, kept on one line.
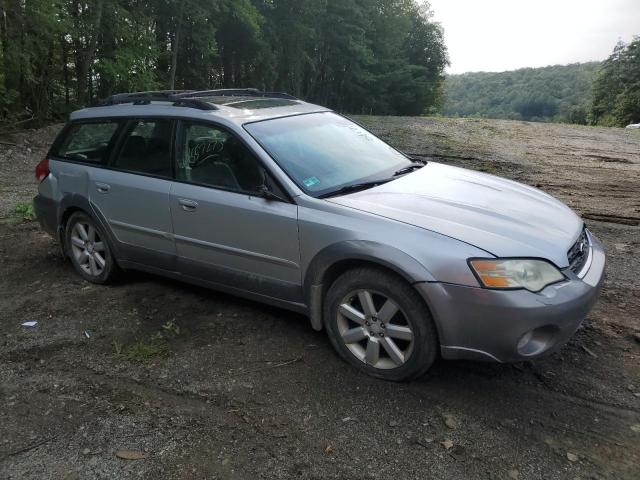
[(87, 142), (211, 156), (147, 148)]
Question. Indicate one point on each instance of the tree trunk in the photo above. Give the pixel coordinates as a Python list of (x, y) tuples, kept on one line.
[(174, 59), (175, 45), (65, 70), (85, 55)]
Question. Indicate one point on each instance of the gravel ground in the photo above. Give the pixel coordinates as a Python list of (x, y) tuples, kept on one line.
[(208, 386)]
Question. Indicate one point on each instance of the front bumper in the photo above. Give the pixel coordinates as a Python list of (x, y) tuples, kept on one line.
[(509, 326)]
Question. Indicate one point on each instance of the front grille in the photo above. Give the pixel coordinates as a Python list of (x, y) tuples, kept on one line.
[(579, 252)]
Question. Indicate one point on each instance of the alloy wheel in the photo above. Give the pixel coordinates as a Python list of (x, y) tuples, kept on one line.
[(88, 248), (375, 329)]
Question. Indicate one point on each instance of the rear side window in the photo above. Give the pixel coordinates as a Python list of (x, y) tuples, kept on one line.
[(87, 142), (147, 148)]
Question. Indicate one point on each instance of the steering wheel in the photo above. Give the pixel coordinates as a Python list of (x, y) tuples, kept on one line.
[(208, 152)]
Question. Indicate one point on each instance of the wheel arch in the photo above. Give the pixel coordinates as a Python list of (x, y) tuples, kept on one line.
[(77, 203), (334, 260)]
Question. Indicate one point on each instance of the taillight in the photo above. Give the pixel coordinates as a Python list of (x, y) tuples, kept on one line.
[(42, 169)]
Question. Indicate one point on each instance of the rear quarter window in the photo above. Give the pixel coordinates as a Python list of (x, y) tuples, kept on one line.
[(87, 142)]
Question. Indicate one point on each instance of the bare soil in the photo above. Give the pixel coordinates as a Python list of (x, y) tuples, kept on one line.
[(209, 386)]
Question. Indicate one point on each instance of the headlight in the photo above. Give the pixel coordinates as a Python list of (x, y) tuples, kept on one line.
[(531, 274)]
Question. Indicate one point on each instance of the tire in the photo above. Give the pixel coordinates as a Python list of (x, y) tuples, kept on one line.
[(358, 315), (89, 250)]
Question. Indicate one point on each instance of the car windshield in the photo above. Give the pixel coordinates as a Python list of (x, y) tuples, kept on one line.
[(324, 152)]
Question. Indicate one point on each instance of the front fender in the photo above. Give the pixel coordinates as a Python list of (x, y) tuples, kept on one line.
[(373, 252)]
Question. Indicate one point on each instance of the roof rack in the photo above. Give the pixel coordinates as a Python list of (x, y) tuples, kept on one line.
[(187, 98), (145, 98), (235, 92)]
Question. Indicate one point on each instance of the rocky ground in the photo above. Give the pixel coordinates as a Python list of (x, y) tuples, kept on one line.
[(203, 385)]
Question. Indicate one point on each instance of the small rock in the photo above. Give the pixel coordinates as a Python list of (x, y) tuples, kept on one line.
[(447, 444), (636, 427), (513, 474), (328, 450), (226, 461), (393, 423), (572, 457), (86, 451), (621, 247), (450, 421)]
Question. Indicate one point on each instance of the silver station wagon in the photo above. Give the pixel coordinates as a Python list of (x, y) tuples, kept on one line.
[(268, 197)]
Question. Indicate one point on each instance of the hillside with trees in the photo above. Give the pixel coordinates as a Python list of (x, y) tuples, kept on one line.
[(357, 56), (557, 93)]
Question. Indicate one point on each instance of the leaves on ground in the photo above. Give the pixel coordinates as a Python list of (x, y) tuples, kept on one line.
[(131, 454)]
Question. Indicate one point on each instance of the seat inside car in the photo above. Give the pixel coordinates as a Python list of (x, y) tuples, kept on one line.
[(209, 165), (150, 155)]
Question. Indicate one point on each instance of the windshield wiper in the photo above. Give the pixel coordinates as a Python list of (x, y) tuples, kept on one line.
[(410, 168), (355, 187)]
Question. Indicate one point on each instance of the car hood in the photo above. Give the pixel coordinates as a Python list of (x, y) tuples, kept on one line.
[(502, 217)]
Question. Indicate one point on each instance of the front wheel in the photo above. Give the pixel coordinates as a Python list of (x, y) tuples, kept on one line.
[(89, 250), (378, 323)]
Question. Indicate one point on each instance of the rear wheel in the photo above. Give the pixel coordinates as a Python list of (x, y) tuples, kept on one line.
[(89, 250), (379, 324)]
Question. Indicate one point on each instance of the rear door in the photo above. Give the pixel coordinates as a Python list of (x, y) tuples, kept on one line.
[(225, 231), (132, 194)]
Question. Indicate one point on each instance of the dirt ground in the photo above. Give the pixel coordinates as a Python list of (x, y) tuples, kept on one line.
[(209, 386)]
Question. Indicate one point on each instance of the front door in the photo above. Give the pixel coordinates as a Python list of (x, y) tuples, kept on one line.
[(225, 232)]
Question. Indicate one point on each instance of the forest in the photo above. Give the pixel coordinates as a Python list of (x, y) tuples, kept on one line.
[(560, 93), (384, 57), (357, 56)]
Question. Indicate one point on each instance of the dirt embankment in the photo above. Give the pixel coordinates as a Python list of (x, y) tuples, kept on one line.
[(209, 386)]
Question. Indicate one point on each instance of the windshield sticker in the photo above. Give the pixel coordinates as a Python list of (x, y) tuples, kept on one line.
[(310, 182)]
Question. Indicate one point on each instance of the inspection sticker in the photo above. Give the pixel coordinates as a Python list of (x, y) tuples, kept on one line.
[(310, 182)]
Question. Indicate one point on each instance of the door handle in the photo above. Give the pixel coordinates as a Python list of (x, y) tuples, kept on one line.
[(103, 187), (188, 205)]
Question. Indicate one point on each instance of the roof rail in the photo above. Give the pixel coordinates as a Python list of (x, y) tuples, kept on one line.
[(234, 92), (145, 98), (187, 98)]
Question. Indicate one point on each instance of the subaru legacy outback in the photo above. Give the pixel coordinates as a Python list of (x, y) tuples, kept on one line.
[(268, 197)]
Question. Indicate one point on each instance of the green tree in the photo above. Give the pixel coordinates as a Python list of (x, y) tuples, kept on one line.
[(559, 93), (616, 92), (373, 56)]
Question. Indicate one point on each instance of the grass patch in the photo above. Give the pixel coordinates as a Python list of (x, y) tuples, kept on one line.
[(143, 351), (152, 348), (25, 211)]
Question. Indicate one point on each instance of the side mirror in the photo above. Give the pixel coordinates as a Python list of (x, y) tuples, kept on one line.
[(265, 192)]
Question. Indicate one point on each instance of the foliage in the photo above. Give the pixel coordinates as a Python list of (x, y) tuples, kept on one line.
[(557, 93), (143, 351), (150, 348), (616, 92), (359, 56), (25, 211)]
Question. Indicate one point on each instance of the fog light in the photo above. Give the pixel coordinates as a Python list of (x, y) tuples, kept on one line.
[(537, 341), (526, 338)]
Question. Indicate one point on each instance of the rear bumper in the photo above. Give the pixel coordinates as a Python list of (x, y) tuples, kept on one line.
[(481, 324), (47, 213)]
